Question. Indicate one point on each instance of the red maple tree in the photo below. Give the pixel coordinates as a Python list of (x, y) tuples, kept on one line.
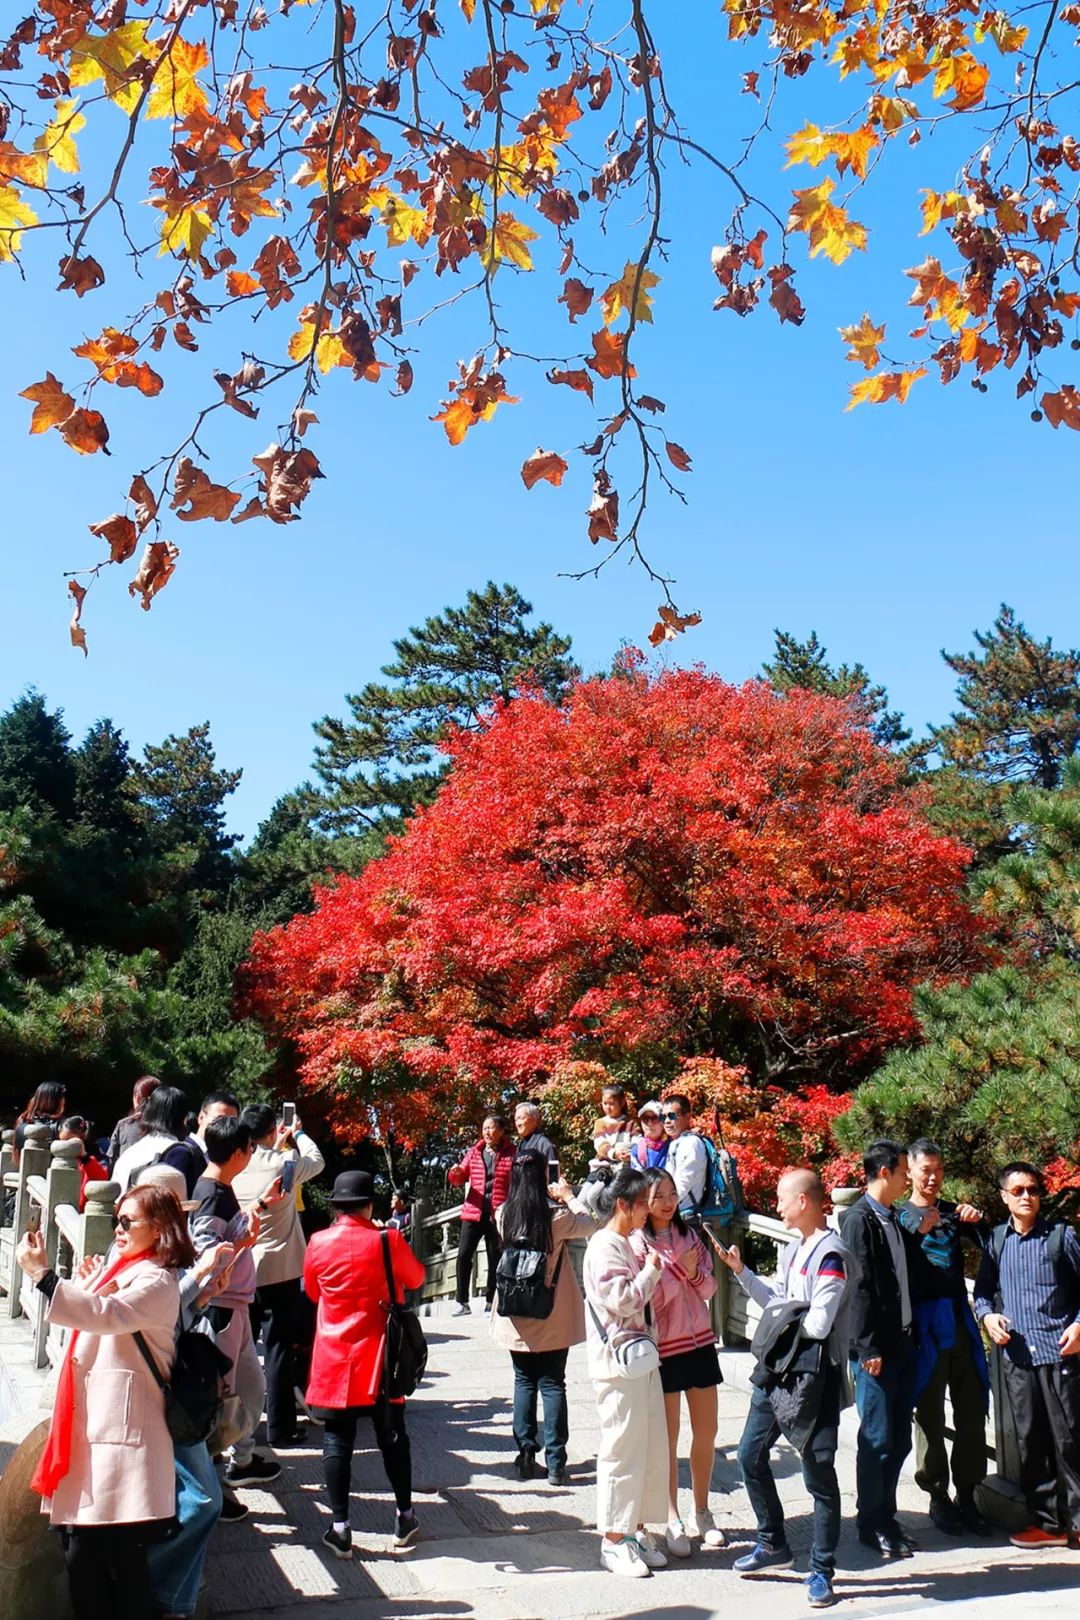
[(665, 868)]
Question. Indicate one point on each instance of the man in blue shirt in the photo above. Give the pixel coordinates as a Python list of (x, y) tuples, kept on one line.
[(1027, 1296)]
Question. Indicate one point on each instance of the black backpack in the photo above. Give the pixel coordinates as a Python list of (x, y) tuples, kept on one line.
[(193, 1394), (1055, 1253), (405, 1351), (520, 1282)]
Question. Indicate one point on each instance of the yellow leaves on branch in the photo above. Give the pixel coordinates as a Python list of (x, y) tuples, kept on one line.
[(621, 295), (1006, 35), (966, 77), (56, 143), (850, 151), (885, 386), (863, 341), (119, 58), (176, 92), (509, 240), (828, 226), (938, 295), (14, 216), (329, 349), (185, 227)]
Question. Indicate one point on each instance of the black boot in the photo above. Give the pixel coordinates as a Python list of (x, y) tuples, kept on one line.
[(945, 1514), (970, 1517), (525, 1463)]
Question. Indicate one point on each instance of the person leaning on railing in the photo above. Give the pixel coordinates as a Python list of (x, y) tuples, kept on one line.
[(106, 1475)]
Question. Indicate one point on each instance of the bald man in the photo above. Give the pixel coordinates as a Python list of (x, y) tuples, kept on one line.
[(814, 1270)]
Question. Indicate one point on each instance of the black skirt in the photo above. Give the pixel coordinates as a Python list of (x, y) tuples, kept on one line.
[(693, 1369)]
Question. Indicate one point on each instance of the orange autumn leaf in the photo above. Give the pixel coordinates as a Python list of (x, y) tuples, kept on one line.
[(578, 380), (885, 386), (84, 431), (51, 404), (1062, 408), (827, 225), (543, 464), (862, 341), (607, 359)]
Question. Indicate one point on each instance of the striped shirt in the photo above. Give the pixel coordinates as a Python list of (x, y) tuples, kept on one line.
[(1039, 1299)]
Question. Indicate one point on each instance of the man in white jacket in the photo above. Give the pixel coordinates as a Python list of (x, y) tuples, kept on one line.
[(687, 1158), (815, 1269), (279, 1256)]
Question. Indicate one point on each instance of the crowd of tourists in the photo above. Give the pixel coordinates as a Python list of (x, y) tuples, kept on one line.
[(209, 1256)]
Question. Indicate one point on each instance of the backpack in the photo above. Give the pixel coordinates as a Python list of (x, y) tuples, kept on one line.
[(1055, 1253), (722, 1198), (521, 1288), (405, 1351), (192, 1391)]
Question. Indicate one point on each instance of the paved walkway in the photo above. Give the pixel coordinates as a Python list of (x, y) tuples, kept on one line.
[(497, 1549)]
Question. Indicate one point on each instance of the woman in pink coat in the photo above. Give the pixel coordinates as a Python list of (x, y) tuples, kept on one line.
[(345, 1274), (106, 1475)]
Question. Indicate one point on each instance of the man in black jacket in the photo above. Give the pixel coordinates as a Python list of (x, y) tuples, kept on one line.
[(882, 1346)]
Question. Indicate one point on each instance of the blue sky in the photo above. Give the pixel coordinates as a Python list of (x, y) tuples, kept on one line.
[(892, 532)]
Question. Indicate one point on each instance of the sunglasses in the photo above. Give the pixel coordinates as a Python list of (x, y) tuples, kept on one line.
[(126, 1222), (671, 1114), (1022, 1192)]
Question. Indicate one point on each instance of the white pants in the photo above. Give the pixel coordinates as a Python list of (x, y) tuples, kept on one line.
[(632, 1458), (244, 1381)]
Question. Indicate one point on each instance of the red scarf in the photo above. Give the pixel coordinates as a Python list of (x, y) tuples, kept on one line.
[(55, 1461)]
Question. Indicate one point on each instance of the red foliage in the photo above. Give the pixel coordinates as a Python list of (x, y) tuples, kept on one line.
[(666, 865)]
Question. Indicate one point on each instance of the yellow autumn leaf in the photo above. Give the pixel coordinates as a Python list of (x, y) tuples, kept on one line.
[(1007, 36), (885, 386), (112, 57), (329, 351), (863, 341), (176, 91), (808, 145), (14, 216), (469, 8), (184, 230), (509, 241), (56, 142), (620, 295), (828, 226), (853, 151), (28, 168), (404, 224)]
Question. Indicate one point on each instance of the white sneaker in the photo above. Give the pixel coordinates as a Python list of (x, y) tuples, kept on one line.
[(623, 1558), (678, 1542), (461, 1310), (710, 1533), (650, 1550)]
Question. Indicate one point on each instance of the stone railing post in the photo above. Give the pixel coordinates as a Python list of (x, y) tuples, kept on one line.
[(33, 1161), (62, 1187), (7, 1166), (97, 1221)]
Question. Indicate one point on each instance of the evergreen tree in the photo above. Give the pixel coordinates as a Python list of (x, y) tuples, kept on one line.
[(181, 795), (805, 664), (288, 855), (386, 760), (36, 768), (1019, 716), (103, 796)]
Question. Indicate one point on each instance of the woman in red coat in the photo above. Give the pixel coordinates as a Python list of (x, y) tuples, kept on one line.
[(345, 1274), (485, 1172)]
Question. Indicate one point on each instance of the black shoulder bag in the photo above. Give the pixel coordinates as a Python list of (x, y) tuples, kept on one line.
[(405, 1350), (193, 1395)]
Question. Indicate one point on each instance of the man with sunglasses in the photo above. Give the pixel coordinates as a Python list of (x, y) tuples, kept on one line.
[(687, 1158), (1027, 1296)]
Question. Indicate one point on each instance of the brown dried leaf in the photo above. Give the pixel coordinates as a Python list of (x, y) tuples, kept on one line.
[(119, 534), (85, 431), (670, 624), (287, 480), (78, 634), (204, 499), (543, 464), (677, 456), (579, 380), (156, 567), (145, 502), (404, 377), (576, 296), (80, 275), (603, 510), (51, 404)]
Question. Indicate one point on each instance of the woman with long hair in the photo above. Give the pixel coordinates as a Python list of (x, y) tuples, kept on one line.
[(345, 1273), (46, 1107), (632, 1455), (688, 1361), (539, 1346), (106, 1475), (127, 1130), (162, 1125)]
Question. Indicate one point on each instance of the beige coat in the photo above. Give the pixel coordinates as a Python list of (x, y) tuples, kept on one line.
[(566, 1324), (121, 1451), (280, 1247)]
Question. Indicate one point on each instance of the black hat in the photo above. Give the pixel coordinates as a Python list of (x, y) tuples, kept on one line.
[(352, 1187)]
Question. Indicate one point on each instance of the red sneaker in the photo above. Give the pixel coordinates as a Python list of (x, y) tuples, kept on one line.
[(1036, 1536)]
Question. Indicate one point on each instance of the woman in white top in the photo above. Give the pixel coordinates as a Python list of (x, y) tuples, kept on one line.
[(160, 1128), (632, 1456)]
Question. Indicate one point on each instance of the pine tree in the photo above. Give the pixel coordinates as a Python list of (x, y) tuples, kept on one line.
[(1019, 714), (386, 760), (181, 793), (805, 664), (36, 768)]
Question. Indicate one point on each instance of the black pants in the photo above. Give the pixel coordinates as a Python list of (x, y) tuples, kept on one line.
[(339, 1443), (107, 1571), (468, 1243), (1045, 1405), (275, 1312)]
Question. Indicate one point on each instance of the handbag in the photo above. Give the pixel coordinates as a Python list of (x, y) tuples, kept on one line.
[(193, 1394), (635, 1356), (521, 1286), (405, 1350)]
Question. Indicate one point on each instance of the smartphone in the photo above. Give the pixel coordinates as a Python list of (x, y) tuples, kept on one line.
[(553, 1171), (288, 1115), (33, 1219), (288, 1172)]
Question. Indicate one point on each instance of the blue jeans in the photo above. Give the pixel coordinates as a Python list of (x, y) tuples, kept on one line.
[(176, 1566), (541, 1373), (885, 1408), (819, 1476)]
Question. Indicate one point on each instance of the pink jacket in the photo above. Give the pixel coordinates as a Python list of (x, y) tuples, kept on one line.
[(121, 1452), (680, 1303)]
